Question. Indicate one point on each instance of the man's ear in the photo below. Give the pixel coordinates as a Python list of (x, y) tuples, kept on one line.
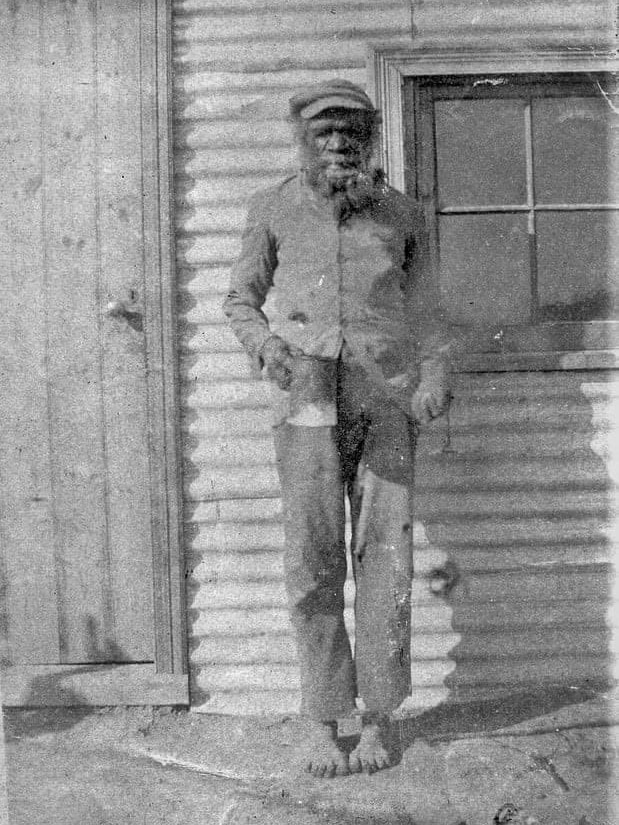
[(300, 128), (306, 148)]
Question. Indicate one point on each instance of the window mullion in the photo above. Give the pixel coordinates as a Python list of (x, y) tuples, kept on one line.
[(577, 207), (531, 228), (483, 209)]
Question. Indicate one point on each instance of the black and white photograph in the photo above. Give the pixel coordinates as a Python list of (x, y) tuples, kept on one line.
[(309, 412)]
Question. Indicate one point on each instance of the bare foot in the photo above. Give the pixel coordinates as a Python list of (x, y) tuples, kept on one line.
[(321, 755), (371, 754)]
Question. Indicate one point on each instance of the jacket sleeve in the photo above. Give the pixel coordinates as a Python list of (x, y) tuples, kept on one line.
[(432, 338), (250, 280)]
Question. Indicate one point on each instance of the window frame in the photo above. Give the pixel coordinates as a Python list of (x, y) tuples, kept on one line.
[(547, 346)]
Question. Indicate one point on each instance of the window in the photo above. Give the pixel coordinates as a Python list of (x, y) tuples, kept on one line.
[(519, 172)]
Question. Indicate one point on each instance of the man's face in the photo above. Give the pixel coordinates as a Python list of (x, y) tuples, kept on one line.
[(339, 142)]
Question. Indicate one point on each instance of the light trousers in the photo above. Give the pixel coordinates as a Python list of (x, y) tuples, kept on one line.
[(367, 456)]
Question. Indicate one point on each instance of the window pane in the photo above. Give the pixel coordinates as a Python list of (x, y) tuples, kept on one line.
[(578, 265), (484, 270), (480, 147), (576, 150)]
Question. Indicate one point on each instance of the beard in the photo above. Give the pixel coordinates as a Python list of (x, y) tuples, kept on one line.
[(354, 190)]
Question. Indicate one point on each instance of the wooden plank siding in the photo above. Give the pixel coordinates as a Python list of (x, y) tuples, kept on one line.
[(71, 272), (70, 252), (87, 511), (30, 609), (520, 503), (120, 195)]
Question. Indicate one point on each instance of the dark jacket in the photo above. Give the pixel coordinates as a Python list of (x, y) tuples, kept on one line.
[(318, 283)]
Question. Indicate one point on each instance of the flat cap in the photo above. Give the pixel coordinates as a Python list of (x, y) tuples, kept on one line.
[(332, 94)]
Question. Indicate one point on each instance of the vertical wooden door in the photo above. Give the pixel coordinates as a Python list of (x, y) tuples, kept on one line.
[(89, 516)]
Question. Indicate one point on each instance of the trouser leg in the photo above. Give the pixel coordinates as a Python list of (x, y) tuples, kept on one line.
[(315, 566), (382, 560)]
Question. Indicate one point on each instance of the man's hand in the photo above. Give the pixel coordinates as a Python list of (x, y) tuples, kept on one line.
[(432, 396), (277, 357)]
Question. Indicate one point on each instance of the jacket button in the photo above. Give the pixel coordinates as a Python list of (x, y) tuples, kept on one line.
[(299, 317)]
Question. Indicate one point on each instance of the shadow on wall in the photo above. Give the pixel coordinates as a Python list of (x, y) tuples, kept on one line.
[(187, 306), (190, 281), (52, 703), (516, 502), (190, 441)]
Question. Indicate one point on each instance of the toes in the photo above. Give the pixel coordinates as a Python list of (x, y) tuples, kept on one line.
[(364, 765), (326, 769), (338, 766), (330, 771), (319, 770), (342, 768), (385, 762), (369, 764), (316, 768), (382, 760), (354, 763), (369, 761)]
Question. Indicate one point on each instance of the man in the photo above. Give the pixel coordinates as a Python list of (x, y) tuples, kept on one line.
[(331, 295)]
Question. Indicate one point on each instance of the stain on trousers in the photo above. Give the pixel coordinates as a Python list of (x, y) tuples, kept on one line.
[(367, 456)]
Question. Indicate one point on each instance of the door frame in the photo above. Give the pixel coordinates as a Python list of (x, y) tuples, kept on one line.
[(161, 349)]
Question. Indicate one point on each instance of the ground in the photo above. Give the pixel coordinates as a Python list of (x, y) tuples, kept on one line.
[(550, 757)]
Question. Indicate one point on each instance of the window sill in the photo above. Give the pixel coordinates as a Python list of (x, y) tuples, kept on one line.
[(541, 361)]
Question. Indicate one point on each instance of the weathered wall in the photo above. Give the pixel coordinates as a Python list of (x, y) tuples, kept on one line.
[(74, 512), (517, 500), (520, 506), (588, 25), (236, 65), (90, 580)]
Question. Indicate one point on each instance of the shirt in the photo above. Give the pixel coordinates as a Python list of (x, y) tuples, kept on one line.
[(319, 283)]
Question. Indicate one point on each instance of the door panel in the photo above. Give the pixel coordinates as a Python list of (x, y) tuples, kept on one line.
[(75, 349), (29, 607), (123, 368), (89, 550)]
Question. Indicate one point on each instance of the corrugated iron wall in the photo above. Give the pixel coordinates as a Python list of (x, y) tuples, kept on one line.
[(517, 505), (510, 24), (517, 496), (236, 64)]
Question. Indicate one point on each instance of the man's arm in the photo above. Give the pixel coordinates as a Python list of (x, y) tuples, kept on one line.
[(429, 328), (250, 280)]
